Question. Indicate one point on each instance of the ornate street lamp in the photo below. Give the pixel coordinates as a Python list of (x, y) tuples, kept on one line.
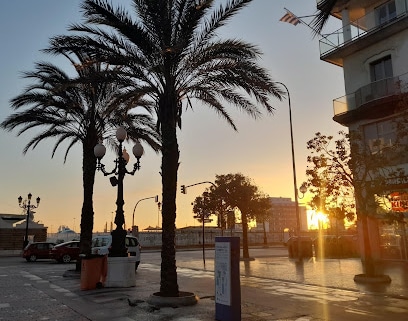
[(119, 234), (27, 206)]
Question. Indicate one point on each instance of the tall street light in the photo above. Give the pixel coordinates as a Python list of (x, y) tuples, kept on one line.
[(119, 234), (27, 206), (303, 188)]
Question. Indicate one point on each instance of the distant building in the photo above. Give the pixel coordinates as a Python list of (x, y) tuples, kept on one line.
[(8, 220), (283, 216), (13, 228)]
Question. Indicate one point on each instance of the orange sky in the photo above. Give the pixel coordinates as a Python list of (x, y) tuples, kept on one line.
[(260, 149)]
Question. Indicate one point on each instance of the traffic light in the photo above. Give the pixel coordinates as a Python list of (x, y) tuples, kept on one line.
[(183, 189), (156, 198)]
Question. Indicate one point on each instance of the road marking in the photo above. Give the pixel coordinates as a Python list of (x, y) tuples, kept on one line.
[(355, 311)]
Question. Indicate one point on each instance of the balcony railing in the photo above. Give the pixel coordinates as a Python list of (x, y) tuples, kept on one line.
[(357, 29), (375, 90)]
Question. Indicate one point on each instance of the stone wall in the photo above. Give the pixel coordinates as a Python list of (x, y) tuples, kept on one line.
[(13, 238)]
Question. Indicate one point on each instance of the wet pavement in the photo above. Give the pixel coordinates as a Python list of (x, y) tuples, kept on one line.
[(273, 263), (273, 287)]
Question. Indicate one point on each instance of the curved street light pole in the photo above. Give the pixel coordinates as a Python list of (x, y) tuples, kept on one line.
[(156, 199), (294, 171)]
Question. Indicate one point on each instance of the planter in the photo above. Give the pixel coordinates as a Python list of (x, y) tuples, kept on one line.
[(184, 299), (362, 278), (121, 272)]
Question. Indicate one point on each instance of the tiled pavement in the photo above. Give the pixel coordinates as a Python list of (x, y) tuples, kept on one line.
[(272, 288)]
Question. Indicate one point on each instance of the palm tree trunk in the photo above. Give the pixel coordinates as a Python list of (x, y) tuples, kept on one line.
[(170, 159), (87, 215)]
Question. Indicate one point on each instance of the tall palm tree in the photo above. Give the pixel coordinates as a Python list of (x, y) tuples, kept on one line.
[(170, 50), (81, 109)]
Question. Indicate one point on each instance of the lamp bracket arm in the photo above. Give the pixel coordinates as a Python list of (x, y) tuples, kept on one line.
[(101, 167), (136, 167)]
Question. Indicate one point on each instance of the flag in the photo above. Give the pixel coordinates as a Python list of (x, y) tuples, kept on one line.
[(290, 18)]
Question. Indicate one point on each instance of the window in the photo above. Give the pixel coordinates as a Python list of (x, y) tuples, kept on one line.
[(381, 69), (380, 135), (382, 82), (385, 12), (383, 137)]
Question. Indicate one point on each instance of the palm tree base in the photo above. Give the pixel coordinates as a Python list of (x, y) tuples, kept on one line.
[(247, 259), (183, 299), (364, 278)]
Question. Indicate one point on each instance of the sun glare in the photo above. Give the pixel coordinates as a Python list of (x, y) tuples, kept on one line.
[(317, 220)]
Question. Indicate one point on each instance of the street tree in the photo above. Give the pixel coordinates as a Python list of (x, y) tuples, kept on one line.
[(79, 109), (347, 176), (236, 192), (170, 51), (261, 211), (201, 209)]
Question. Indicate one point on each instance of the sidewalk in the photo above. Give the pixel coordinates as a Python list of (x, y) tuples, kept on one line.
[(272, 288)]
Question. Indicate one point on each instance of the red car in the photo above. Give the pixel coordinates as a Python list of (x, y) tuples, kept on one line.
[(65, 252), (37, 250)]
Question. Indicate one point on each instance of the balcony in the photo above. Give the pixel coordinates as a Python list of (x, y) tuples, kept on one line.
[(370, 101), (335, 46)]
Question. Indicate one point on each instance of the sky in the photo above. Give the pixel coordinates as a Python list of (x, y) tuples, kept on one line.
[(260, 149)]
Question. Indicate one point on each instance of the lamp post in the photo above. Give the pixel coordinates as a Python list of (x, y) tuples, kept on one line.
[(303, 187), (27, 206), (119, 234)]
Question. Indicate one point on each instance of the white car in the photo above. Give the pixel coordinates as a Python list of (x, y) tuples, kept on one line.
[(101, 245)]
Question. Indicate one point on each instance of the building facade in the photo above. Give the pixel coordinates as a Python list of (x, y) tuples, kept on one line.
[(282, 217), (372, 48)]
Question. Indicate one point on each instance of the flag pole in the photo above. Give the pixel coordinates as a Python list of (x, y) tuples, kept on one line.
[(302, 21), (291, 18)]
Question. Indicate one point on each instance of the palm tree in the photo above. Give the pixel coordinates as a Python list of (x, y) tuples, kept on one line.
[(323, 15), (171, 52), (81, 110)]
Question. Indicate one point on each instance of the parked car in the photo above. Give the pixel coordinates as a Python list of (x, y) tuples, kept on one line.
[(65, 252), (101, 245), (37, 250)]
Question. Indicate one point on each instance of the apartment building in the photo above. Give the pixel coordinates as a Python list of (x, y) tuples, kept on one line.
[(372, 48), (283, 216)]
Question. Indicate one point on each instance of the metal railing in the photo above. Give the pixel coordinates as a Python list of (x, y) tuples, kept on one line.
[(375, 90), (357, 29)]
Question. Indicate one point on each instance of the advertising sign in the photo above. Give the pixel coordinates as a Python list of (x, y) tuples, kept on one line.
[(223, 273)]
